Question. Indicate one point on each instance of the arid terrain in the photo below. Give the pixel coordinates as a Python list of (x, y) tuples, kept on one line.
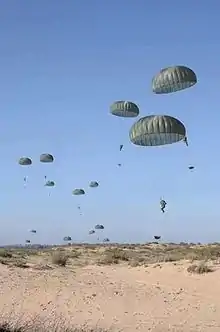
[(151, 287)]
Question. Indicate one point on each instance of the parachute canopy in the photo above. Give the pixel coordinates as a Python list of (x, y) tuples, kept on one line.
[(93, 184), (33, 231), (125, 109), (157, 237), (173, 79), (50, 184), (67, 238), (25, 161), (99, 226), (46, 158), (156, 130), (28, 241), (78, 192), (91, 232), (106, 239), (191, 167)]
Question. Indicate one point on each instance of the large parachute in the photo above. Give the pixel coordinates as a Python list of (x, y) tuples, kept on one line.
[(156, 130), (126, 109), (98, 226), (173, 79), (49, 184)]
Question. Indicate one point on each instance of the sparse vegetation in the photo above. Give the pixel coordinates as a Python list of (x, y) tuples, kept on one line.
[(200, 268), (59, 258)]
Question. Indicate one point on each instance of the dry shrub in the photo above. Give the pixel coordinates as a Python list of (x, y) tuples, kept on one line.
[(59, 258), (200, 268), (5, 253)]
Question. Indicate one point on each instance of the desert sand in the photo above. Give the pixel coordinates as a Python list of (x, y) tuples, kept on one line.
[(145, 288)]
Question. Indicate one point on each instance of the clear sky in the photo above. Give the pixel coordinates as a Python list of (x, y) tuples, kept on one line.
[(62, 63)]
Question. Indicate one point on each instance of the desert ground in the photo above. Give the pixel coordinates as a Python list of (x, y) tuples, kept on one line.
[(127, 288)]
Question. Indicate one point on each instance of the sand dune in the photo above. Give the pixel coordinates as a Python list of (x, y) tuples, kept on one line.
[(158, 296)]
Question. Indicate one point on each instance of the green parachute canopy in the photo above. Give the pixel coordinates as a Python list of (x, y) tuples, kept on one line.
[(25, 161), (173, 79), (125, 109), (46, 158), (93, 184), (78, 192), (154, 130)]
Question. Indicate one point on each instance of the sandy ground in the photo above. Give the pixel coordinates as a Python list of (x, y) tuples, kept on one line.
[(156, 298)]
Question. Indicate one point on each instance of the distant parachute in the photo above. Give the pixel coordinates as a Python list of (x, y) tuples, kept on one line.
[(49, 184), (157, 237), (191, 167), (46, 158), (126, 109), (99, 226), (33, 231), (25, 161), (154, 130), (173, 79), (67, 238), (121, 147), (78, 192), (28, 241), (106, 239), (119, 165), (91, 232), (93, 184)]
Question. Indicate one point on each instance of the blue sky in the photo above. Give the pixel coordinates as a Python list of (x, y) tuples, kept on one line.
[(62, 64)]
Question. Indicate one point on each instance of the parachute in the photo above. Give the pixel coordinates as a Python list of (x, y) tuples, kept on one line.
[(91, 232), (25, 161), (191, 167), (173, 79), (49, 184), (78, 192), (33, 231), (157, 237), (126, 109), (154, 130), (106, 240), (28, 241), (46, 158), (93, 184), (99, 226), (121, 147), (67, 238)]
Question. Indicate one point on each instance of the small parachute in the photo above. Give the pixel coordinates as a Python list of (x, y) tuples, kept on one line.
[(157, 237), (173, 79), (33, 231), (49, 184), (119, 165), (46, 158), (67, 238), (191, 168), (93, 184), (126, 109), (155, 130), (25, 161), (99, 226), (28, 241), (91, 232), (106, 240), (78, 192), (121, 147)]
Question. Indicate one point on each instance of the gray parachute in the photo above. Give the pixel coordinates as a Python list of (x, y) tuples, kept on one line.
[(154, 130), (93, 184), (126, 109), (78, 192), (46, 158), (25, 161), (173, 79)]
